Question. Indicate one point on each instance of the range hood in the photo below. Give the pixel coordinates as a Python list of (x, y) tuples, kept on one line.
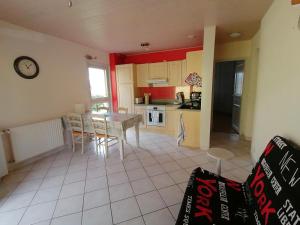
[(157, 81)]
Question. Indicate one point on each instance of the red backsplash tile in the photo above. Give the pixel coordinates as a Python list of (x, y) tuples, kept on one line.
[(158, 92)]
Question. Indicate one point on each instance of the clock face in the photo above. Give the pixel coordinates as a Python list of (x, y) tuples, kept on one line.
[(26, 67)]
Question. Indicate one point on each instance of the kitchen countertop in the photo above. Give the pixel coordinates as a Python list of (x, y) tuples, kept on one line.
[(170, 105)]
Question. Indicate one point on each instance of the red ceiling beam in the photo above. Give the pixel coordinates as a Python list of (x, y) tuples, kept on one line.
[(295, 2)]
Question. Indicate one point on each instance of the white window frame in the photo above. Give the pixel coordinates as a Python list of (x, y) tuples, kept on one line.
[(107, 99)]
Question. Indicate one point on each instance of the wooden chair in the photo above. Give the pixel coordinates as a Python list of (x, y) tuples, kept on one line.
[(76, 124), (123, 110), (102, 108), (101, 127)]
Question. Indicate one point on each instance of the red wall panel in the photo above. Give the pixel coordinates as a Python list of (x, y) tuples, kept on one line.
[(158, 92)]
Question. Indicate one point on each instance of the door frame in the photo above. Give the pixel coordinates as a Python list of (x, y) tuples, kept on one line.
[(245, 74)]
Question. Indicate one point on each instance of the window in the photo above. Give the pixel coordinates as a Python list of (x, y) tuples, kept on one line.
[(99, 88)]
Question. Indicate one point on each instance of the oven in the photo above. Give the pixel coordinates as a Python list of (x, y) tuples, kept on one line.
[(156, 115)]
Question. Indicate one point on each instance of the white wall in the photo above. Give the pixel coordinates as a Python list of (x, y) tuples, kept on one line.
[(278, 88), (62, 82)]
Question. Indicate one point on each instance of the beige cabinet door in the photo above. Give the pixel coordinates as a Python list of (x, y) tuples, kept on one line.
[(126, 96), (158, 70), (124, 73), (194, 62), (172, 122), (141, 111), (142, 71), (191, 120), (174, 73), (184, 73)]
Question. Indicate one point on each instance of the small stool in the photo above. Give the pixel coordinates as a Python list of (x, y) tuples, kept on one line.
[(219, 154)]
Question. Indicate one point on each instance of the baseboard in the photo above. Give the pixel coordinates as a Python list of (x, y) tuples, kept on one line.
[(19, 165)]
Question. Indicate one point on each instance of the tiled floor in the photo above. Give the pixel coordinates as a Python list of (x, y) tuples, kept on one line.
[(145, 189)]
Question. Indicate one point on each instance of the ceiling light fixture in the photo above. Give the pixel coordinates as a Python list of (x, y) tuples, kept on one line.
[(235, 34), (70, 4)]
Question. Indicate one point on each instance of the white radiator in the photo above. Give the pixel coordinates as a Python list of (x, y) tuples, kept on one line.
[(34, 139), (3, 163)]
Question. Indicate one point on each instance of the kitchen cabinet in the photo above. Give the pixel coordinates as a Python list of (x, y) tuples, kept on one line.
[(142, 71), (183, 73), (191, 120), (194, 62), (126, 86), (158, 70), (174, 73), (141, 110)]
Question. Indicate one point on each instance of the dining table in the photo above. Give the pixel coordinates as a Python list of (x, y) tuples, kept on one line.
[(118, 124)]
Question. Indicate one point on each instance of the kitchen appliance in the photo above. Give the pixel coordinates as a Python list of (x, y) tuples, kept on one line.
[(195, 96), (156, 115), (180, 97), (158, 81), (139, 100), (147, 98)]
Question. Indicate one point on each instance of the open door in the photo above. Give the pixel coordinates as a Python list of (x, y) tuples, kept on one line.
[(237, 95)]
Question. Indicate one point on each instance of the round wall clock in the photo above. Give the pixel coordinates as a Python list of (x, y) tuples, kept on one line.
[(26, 67)]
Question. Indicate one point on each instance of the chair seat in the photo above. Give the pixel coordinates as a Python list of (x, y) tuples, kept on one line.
[(211, 199), (103, 136), (77, 133)]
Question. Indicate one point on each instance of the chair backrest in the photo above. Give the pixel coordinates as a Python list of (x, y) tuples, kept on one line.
[(100, 125), (75, 121), (102, 108), (123, 110)]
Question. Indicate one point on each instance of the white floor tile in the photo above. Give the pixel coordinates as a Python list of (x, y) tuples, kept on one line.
[(95, 172), (136, 221), (171, 166), (46, 195), (161, 217), (154, 170), (75, 177), (175, 210), (132, 164), (52, 182), (115, 168), (97, 216), (17, 201), (28, 186), (120, 191), (11, 217), (136, 174), (150, 202), (68, 206), (38, 213), (162, 180), (72, 189), (171, 195), (186, 163), (179, 176), (117, 178), (96, 199), (95, 184), (125, 210), (142, 186), (73, 219)]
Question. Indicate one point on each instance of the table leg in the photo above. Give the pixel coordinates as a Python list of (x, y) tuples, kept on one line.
[(137, 134), (125, 136), (219, 167), (121, 148)]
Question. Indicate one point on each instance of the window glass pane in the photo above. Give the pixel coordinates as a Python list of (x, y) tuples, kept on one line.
[(98, 83), (97, 107)]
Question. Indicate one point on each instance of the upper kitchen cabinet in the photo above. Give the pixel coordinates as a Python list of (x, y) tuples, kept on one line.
[(158, 70), (174, 73), (194, 62), (125, 73), (142, 71), (183, 73), (126, 82)]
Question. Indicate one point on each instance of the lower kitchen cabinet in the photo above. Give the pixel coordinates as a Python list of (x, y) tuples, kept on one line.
[(191, 120), (141, 110)]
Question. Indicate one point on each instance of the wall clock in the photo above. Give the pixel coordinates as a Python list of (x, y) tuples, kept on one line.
[(26, 67)]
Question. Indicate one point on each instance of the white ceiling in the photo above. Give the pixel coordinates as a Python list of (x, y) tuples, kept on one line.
[(120, 25)]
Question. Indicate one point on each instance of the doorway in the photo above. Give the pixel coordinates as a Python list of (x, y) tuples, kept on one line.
[(228, 89)]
